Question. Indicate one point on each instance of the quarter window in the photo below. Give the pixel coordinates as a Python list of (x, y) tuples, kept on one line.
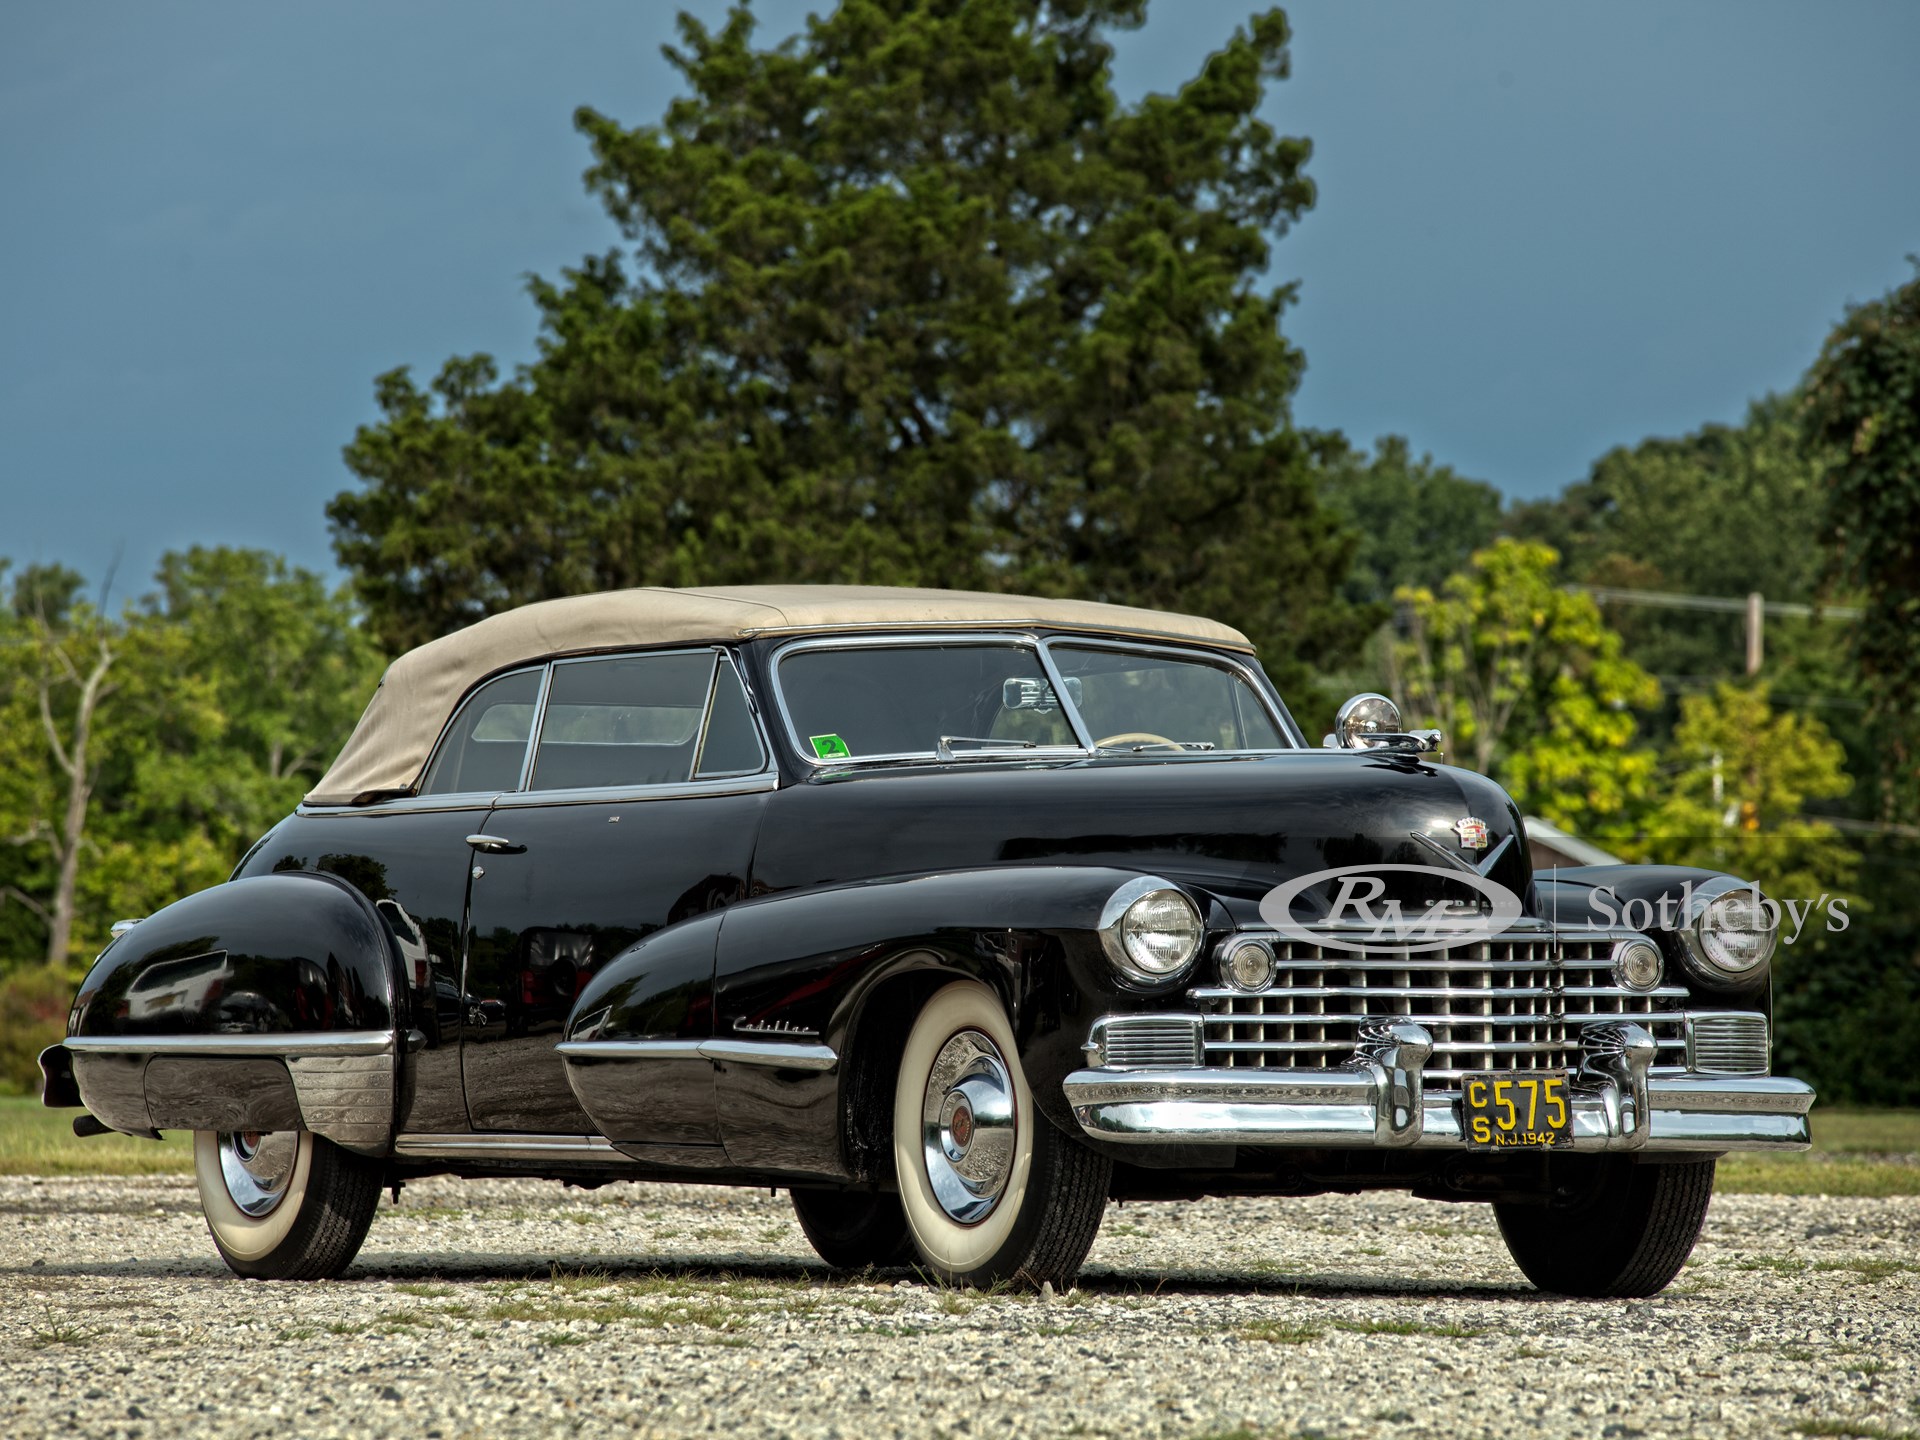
[(487, 743), (732, 746)]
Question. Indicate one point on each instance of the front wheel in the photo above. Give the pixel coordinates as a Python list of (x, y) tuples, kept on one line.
[(990, 1189), (284, 1204), (1625, 1235)]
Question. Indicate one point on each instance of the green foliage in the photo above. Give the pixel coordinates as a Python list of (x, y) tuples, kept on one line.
[(1863, 422), (1525, 677), (1417, 521), (1724, 511), (33, 1015), (1740, 774), (912, 298), (218, 700)]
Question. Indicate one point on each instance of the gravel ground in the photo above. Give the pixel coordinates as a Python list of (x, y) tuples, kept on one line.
[(522, 1308)]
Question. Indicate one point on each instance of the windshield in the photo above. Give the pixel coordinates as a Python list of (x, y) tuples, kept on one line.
[(957, 698)]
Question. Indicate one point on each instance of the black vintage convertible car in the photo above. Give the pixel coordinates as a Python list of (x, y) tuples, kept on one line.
[(954, 915)]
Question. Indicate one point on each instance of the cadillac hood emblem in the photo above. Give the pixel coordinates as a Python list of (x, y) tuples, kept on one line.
[(1472, 833)]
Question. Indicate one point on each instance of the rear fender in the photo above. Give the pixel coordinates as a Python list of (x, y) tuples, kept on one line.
[(263, 1004)]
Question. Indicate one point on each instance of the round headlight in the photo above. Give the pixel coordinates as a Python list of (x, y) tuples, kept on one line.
[(1150, 930), (1730, 935), (1636, 964), (1362, 716), (1247, 964)]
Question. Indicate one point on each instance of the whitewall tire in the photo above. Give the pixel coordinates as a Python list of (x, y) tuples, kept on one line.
[(991, 1190), (286, 1204)]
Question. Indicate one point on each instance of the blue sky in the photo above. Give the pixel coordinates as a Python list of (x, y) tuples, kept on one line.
[(1542, 230)]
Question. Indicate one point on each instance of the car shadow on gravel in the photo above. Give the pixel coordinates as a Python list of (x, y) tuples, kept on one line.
[(456, 1267)]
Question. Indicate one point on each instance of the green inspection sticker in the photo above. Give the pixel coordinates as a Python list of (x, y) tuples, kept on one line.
[(830, 747)]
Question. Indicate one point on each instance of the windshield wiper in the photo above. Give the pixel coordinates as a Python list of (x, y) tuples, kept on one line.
[(993, 747)]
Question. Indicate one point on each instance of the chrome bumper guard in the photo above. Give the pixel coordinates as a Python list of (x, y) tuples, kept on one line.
[(1377, 1099)]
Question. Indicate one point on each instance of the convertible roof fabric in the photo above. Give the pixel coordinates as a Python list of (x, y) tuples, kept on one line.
[(389, 747)]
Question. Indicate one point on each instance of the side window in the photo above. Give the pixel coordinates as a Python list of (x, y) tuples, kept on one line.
[(733, 744), (484, 747), (623, 720)]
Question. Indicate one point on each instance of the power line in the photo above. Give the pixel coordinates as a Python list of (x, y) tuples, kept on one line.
[(1672, 600)]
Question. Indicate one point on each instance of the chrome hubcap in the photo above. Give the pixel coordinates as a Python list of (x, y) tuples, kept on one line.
[(256, 1166), (967, 1127)]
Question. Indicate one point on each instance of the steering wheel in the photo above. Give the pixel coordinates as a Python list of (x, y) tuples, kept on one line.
[(1139, 737)]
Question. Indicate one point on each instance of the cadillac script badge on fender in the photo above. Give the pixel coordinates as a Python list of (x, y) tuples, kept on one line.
[(1472, 833)]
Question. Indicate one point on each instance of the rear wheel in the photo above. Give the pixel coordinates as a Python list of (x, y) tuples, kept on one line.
[(284, 1204), (990, 1189), (852, 1230), (1625, 1234)]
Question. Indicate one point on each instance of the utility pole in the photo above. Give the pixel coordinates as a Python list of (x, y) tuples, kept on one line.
[(1756, 611)]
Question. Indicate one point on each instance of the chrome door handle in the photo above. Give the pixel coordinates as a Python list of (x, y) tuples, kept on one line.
[(495, 845)]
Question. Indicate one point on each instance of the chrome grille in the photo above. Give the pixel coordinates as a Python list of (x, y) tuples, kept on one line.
[(1729, 1044), (1148, 1041), (1516, 1002)]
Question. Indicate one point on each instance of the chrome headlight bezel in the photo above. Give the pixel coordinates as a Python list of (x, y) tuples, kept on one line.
[(1706, 955), (1238, 948), (1128, 920), (1629, 955)]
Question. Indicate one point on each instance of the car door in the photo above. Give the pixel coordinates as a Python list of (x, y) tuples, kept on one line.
[(639, 811), (410, 858)]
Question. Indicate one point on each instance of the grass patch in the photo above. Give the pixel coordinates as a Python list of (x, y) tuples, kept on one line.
[(1279, 1332), (58, 1330), (37, 1141), (1815, 1174), (1869, 1267), (1849, 1157), (1852, 1430), (1866, 1132)]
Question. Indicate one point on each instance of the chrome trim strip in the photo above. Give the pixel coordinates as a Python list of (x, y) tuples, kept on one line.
[(492, 1146), (631, 1049), (777, 1054), (533, 730), (634, 794), (404, 805), (330, 1042)]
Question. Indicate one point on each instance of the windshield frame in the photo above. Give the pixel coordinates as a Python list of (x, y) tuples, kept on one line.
[(1038, 643)]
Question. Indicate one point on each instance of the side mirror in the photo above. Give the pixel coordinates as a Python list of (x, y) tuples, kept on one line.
[(1372, 722)]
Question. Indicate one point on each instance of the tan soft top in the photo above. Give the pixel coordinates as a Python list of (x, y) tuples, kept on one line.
[(391, 743)]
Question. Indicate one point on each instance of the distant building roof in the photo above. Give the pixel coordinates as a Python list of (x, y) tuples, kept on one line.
[(1553, 847)]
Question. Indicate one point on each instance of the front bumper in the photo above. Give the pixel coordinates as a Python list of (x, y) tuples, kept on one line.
[(1378, 1099)]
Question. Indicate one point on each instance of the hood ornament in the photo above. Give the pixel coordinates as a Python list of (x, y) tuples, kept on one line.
[(1472, 831)]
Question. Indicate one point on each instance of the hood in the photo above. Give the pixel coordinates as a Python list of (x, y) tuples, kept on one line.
[(1234, 826)]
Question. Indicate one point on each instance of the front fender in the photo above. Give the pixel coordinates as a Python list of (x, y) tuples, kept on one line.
[(263, 1004), (794, 974)]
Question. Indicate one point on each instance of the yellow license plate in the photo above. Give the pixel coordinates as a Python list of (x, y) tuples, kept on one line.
[(1516, 1112)]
